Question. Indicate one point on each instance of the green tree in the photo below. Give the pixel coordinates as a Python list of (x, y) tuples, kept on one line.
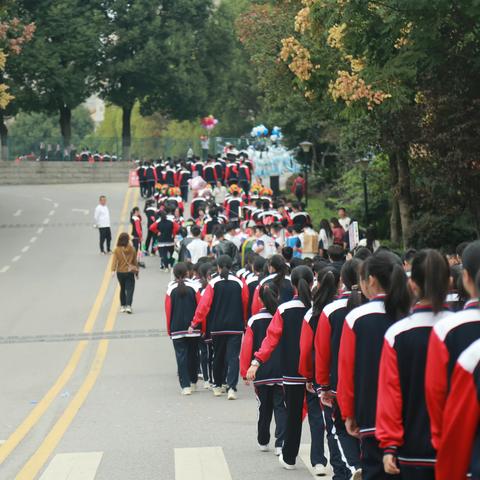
[(55, 72)]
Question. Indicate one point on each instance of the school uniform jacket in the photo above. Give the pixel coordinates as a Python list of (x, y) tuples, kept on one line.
[(195, 205), (449, 339), (284, 333), (233, 206), (269, 373), (327, 343), (402, 425), (223, 307), (306, 366), (286, 292), (209, 173), (459, 447), (166, 231), (359, 361), (252, 281), (136, 223), (182, 177), (180, 310), (244, 173)]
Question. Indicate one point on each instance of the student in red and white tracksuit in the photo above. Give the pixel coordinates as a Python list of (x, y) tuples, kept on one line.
[(165, 229), (326, 346), (136, 223), (268, 382), (402, 425), (384, 282), (459, 446), (284, 332), (180, 304), (449, 339), (224, 305)]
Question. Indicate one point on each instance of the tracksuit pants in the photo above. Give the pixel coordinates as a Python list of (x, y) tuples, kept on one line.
[(186, 353), (166, 258), (317, 429), (105, 238), (127, 287), (150, 190), (184, 190), (294, 398), (372, 460), (206, 359), (149, 241), (226, 355), (417, 473), (270, 403)]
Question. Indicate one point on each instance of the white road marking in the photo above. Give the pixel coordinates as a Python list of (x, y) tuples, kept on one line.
[(304, 454), (33, 239), (48, 199), (85, 211), (40, 230), (17, 258), (26, 249), (46, 221), (51, 212), (17, 213), (55, 205), (73, 466), (6, 268), (206, 463)]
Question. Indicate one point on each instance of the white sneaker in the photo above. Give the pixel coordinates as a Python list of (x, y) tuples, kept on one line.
[(263, 448), (193, 387), (320, 470), (224, 388), (357, 475), (128, 309), (123, 309), (217, 391), (278, 451), (207, 385), (186, 391), (232, 394), (284, 464)]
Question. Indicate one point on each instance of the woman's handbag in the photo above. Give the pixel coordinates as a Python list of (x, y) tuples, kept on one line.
[(131, 268)]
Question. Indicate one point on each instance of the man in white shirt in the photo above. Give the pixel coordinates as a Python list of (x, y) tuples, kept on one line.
[(197, 248), (343, 219), (102, 222)]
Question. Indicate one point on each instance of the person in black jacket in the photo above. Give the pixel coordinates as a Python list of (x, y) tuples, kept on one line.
[(224, 306), (226, 247), (268, 382), (180, 304)]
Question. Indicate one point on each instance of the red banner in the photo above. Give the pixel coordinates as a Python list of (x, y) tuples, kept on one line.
[(133, 179)]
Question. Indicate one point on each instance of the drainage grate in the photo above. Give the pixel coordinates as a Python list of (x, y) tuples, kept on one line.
[(75, 337)]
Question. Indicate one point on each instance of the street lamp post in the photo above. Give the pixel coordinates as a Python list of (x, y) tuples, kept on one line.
[(364, 163), (306, 146)]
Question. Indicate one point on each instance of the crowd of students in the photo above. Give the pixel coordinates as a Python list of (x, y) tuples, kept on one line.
[(381, 352)]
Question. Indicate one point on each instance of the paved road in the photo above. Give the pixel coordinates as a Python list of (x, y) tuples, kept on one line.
[(88, 393)]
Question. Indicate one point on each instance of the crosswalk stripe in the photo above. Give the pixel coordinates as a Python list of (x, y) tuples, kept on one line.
[(201, 464), (73, 466)]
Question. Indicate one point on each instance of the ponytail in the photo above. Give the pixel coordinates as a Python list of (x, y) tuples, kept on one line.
[(180, 272), (302, 279), (387, 269), (224, 264), (270, 296), (326, 289), (351, 279), (277, 262), (431, 273)]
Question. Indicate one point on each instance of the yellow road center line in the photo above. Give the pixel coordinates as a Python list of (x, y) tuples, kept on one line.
[(40, 457), (39, 410)]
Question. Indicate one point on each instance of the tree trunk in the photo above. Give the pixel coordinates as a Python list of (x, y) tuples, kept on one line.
[(395, 227), (3, 139), (66, 126), (404, 196), (126, 131)]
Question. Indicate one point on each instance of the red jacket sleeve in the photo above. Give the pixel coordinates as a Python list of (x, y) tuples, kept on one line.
[(203, 308), (249, 176), (176, 228), (155, 175), (246, 352), (305, 365), (168, 311), (460, 422), (154, 228), (245, 297), (389, 421), (346, 372), (436, 385), (138, 228), (270, 342), (256, 302), (323, 352)]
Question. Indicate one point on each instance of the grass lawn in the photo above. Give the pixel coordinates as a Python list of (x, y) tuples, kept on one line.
[(317, 209)]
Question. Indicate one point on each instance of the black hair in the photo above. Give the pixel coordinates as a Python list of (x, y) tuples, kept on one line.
[(270, 296), (362, 253), (230, 226), (224, 263), (471, 259), (335, 253), (461, 248), (350, 275), (302, 279), (195, 230), (259, 264), (325, 224), (277, 262), (431, 273), (334, 221), (180, 272), (296, 262), (326, 289), (388, 270), (287, 253), (218, 231), (203, 271), (409, 255), (457, 283)]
